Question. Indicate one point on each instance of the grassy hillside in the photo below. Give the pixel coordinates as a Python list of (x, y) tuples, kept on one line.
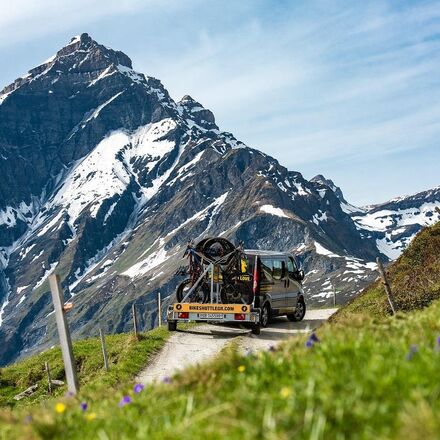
[(414, 277), (366, 378), (127, 356)]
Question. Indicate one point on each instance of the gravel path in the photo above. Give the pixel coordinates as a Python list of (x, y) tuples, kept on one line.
[(190, 347)]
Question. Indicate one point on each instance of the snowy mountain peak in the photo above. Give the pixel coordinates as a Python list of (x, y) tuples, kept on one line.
[(328, 182), (345, 206), (195, 111), (82, 55), (94, 52)]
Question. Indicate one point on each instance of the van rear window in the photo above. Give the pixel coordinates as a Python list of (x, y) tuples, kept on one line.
[(266, 269)]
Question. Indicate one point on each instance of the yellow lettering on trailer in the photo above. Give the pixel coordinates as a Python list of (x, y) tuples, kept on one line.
[(211, 308)]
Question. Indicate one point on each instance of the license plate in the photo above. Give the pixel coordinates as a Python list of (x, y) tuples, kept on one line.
[(211, 316)]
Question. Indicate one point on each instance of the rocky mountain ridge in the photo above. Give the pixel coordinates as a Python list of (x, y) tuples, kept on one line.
[(106, 178)]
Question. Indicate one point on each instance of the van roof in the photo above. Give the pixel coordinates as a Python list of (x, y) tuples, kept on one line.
[(263, 253)]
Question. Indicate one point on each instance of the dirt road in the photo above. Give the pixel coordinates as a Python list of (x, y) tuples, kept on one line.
[(203, 342)]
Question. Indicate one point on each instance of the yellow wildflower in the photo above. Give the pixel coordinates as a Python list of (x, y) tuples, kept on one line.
[(91, 416), (285, 392), (241, 369), (60, 407)]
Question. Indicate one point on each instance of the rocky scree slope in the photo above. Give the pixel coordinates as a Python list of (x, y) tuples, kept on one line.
[(106, 177)]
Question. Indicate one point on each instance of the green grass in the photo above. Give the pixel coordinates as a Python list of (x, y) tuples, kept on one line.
[(127, 356), (356, 383)]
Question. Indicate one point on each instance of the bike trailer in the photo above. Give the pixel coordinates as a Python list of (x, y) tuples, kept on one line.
[(211, 281)]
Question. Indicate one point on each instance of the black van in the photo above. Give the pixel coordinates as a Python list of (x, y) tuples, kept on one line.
[(280, 285)]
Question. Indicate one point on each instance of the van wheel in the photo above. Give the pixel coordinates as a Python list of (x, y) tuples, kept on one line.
[(172, 326), (265, 315), (299, 313)]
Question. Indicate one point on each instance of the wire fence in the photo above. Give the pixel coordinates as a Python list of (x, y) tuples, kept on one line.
[(140, 311)]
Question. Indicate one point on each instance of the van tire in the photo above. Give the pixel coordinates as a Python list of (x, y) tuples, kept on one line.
[(299, 313), (265, 315), (172, 326)]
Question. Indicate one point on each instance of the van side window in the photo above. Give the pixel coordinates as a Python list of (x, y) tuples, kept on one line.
[(291, 266), (266, 269), (277, 269)]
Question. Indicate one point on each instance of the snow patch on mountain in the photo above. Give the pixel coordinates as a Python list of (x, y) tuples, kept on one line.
[(320, 249), (153, 260), (96, 178), (103, 174), (214, 207), (9, 215), (382, 220), (3, 97), (389, 248), (106, 72), (183, 169), (350, 209), (98, 109), (319, 217), (47, 272), (134, 76), (270, 209)]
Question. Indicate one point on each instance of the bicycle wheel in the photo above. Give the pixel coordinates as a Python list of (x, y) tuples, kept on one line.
[(237, 292), (215, 248), (199, 295)]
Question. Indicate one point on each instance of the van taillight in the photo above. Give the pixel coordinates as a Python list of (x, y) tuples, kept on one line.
[(183, 315), (239, 317)]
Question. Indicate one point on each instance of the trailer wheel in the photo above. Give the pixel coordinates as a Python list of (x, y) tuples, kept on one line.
[(172, 326), (256, 329)]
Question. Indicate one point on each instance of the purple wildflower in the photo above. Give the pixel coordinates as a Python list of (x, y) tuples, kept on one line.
[(69, 394), (437, 345), (314, 338), (167, 379), (138, 388), (126, 400), (83, 406), (412, 351), (28, 419)]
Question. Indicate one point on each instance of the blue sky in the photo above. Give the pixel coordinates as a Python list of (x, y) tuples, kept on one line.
[(346, 89)]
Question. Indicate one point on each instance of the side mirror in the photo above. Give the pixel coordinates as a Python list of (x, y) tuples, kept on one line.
[(300, 274)]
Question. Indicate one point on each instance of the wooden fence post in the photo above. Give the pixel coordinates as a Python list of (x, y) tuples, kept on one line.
[(387, 285), (104, 350), (159, 309), (135, 324), (64, 334), (49, 378), (334, 292)]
